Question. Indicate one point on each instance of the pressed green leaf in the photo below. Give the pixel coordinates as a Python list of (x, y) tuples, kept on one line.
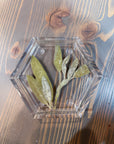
[(39, 72), (46, 90), (58, 58), (64, 68), (73, 68), (36, 89), (81, 71)]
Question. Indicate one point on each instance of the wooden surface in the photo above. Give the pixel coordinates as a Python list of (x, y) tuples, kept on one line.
[(91, 20)]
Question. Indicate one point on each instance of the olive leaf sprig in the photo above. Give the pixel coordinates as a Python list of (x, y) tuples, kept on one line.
[(61, 67), (40, 83)]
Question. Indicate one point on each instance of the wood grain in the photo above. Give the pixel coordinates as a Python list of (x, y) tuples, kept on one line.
[(91, 20)]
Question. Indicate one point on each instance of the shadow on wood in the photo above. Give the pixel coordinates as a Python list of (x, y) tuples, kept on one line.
[(83, 137)]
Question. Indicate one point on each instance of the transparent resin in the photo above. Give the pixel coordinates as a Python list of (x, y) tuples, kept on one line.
[(75, 96)]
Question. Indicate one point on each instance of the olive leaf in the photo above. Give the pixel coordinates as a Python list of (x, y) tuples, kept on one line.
[(39, 72), (58, 58), (81, 71), (46, 90), (64, 68), (72, 68), (36, 89)]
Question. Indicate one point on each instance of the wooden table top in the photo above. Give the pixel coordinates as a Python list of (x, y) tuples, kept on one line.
[(91, 20)]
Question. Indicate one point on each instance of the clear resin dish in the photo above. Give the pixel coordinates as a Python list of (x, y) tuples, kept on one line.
[(75, 96)]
